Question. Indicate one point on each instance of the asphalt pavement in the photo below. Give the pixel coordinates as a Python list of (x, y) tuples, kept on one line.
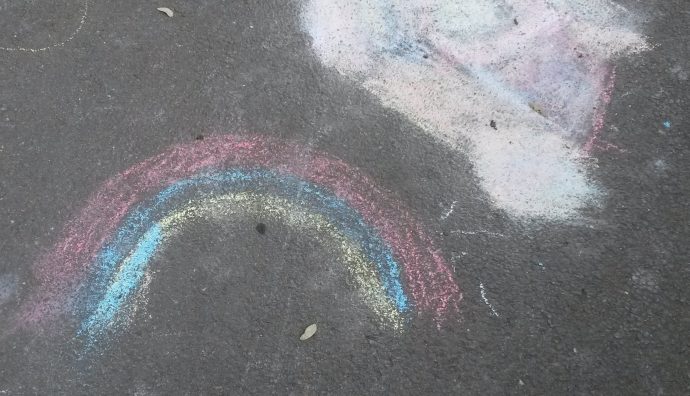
[(106, 104)]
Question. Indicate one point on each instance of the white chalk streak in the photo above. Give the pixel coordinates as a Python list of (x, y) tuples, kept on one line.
[(448, 213), (489, 233), (486, 301)]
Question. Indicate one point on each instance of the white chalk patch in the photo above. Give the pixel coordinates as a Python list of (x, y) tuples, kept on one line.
[(486, 301), (645, 279), (82, 20), (522, 99), (450, 211)]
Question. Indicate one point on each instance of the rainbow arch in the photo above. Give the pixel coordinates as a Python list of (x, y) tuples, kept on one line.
[(97, 268)]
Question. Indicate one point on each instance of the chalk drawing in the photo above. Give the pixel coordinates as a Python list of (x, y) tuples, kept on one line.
[(80, 25), (104, 256), (521, 85), (486, 300)]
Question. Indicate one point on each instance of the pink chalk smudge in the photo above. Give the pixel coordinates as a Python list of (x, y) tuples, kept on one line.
[(599, 117)]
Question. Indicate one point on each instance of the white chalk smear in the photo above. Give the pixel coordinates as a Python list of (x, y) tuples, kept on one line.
[(448, 213), (520, 86), (71, 37), (480, 232), (486, 301)]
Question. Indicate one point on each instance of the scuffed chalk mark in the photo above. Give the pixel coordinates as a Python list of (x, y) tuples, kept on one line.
[(679, 73), (646, 279), (480, 232), (486, 301), (449, 211), (660, 165), (8, 287), (82, 20)]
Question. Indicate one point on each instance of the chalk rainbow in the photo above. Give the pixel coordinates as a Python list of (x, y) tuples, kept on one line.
[(100, 266)]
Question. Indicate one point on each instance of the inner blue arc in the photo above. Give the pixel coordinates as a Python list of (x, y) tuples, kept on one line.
[(145, 216)]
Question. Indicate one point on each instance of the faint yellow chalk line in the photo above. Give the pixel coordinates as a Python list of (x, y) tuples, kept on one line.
[(82, 20)]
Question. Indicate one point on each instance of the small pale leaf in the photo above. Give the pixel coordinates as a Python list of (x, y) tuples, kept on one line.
[(167, 11), (308, 332)]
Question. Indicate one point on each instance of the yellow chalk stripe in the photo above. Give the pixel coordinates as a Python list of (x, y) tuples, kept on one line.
[(361, 269)]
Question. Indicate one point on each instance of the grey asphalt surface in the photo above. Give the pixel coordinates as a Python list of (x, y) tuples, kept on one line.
[(600, 308)]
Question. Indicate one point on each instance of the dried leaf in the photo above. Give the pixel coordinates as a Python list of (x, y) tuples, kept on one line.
[(308, 332), (166, 10)]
